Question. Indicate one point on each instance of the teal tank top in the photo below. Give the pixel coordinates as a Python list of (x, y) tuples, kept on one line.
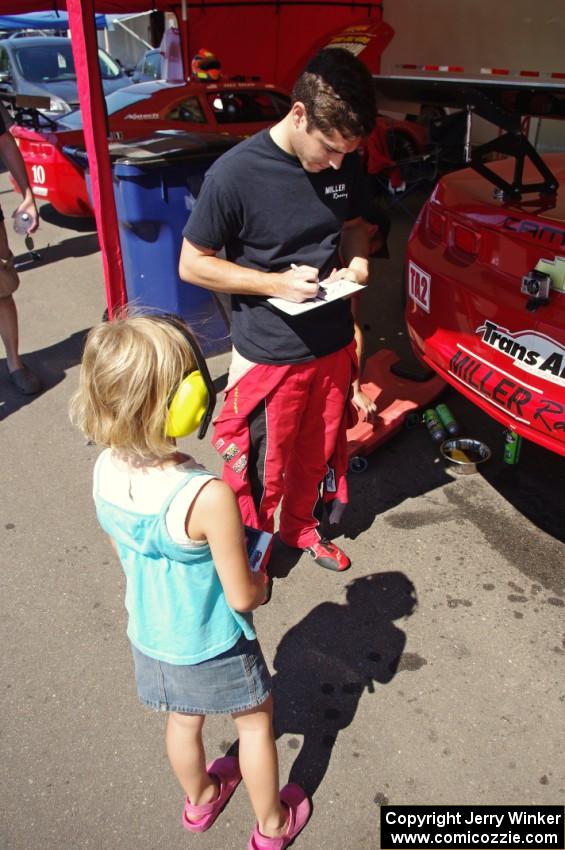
[(177, 609)]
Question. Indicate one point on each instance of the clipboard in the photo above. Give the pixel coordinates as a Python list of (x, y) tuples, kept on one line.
[(329, 291)]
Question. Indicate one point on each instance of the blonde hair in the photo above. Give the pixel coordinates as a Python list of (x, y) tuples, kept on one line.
[(130, 369)]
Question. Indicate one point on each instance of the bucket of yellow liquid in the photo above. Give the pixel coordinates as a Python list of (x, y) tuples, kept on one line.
[(464, 454)]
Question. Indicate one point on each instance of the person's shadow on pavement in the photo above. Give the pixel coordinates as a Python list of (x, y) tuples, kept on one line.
[(50, 364), (325, 662)]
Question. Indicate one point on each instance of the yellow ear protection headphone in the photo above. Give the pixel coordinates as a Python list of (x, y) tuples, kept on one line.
[(192, 403)]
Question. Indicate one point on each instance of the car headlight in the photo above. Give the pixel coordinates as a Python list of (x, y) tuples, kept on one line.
[(56, 104)]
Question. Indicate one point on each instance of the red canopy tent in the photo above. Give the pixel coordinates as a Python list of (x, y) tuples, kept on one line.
[(269, 38)]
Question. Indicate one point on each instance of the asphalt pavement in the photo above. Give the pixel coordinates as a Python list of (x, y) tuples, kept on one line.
[(431, 673)]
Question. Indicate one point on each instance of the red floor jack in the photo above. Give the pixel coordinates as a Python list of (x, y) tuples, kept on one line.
[(395, 397)]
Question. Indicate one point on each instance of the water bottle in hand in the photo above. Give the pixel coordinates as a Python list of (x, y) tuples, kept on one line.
[(22, 223)]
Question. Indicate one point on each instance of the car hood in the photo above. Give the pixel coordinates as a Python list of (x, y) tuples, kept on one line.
[(114, 85), (67, 89)]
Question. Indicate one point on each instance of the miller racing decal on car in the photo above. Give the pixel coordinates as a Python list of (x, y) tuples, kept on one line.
[(419, 286), (531, 351), (136, 116), (522, 401)]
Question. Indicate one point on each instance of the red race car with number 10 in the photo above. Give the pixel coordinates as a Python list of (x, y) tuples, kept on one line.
[(233, 107)]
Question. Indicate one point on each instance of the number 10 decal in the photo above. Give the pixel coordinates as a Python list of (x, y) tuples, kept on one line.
[(38, 174)]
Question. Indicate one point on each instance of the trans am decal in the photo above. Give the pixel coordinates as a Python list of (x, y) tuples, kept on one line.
[(519, 400), (533, 352)]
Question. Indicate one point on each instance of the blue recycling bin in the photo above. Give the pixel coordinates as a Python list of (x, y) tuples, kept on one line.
[(156, 182)]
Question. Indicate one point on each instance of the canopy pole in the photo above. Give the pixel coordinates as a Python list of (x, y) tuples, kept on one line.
[(85, 52), (184, 45)]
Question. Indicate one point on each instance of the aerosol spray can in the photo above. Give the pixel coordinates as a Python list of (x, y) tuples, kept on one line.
[(434, 426), (512, 447), (447, 419)]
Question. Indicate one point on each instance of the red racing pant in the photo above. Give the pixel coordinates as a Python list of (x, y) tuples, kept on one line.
[(280, 432)]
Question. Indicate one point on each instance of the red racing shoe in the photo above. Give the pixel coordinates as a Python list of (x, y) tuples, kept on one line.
[(328, 555)]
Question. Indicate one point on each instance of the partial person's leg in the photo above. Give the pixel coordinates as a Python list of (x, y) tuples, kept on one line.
[(185, 749), (207, 788), (20, 374), (9, 332), (274, 428), (258, 762), (8, 314), (319, 429)]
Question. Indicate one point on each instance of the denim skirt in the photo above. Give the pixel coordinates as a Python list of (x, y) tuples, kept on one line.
[(234, 681)]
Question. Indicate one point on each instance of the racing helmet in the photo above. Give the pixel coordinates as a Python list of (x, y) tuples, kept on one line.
[(205, 65)]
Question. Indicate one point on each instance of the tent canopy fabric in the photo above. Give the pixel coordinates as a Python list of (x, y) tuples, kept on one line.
[(41, 21), (265, 38), (276, 40)]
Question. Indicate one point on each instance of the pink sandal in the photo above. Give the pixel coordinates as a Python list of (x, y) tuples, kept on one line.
[(299, 809), (226, 770)]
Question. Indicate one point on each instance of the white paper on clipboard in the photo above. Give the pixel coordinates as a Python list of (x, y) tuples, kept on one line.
[(329, 291)]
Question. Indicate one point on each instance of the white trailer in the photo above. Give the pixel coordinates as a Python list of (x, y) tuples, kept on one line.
[(510, 39)]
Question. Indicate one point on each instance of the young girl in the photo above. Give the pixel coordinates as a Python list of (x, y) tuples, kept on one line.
[(178, 533)]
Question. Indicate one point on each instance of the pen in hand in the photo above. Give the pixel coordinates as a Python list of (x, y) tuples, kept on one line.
[(321, 293), (306, 282), (296, 268)]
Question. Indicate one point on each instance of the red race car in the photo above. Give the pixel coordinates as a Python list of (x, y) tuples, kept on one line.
[(486, 265), (232, 107)]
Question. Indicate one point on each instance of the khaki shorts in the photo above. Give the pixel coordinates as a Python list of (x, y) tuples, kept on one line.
[(9, 280)]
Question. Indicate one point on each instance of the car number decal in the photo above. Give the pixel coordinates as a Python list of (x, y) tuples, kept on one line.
[(38, 174), (419, 286)]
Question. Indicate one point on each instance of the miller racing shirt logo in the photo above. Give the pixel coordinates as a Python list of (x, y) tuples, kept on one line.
[(531, 351), (339, 190)]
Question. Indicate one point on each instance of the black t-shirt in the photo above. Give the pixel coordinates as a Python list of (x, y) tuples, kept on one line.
[(268, 212)]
